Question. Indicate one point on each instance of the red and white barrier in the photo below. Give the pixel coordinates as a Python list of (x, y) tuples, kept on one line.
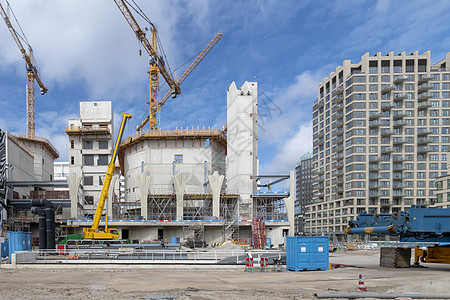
[(260, 262)]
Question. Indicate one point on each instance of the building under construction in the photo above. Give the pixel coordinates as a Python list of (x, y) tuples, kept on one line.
[(196, 184)]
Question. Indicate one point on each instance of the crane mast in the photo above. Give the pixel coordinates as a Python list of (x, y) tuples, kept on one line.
[(32, 75), (188, 71), (157, 65)]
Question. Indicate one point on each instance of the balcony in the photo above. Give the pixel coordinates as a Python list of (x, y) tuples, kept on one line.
[(375, 115), (378, 177), (374, 194), (88, 129), (374, 123), (387, 150), (339, 116), (385, 131), (384, 202), (398, 194), (423, 141), (424, 78), (375, 159), (398, 158), (398, 115), (374, 167), (399, 186), (398, 124), (399, 97), (424, 105), (320, 134), (423, 149), (340, 131), (424, 96), (339, 123), (338, 91), (398, 168), (400, 78), (387, 106), (388, 88), (424, 87), (398, 177), (423, 131), (338, 107), (398, 141), (339, 99)]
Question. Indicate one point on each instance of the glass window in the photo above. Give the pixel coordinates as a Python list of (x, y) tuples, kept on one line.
[(102, 144), (87, 144), (88, 180), (88, 160), (102, 160)]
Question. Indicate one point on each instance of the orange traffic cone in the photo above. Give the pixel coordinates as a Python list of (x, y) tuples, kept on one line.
[(361, 285)]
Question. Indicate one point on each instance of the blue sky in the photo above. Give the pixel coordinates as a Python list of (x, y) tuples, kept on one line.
[(85, 50)]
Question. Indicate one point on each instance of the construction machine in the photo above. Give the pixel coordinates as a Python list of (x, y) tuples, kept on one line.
[(94, 232), (429, 226)]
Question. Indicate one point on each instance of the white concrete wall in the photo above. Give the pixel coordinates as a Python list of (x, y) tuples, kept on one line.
[(242, 144), (22, 161)]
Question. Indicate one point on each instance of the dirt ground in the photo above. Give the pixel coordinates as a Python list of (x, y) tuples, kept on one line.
[(144, 282)]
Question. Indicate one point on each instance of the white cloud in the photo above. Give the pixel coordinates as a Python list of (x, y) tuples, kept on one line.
[(290, 151)]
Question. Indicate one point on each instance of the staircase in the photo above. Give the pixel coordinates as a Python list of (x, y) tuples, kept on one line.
[(231, 230)]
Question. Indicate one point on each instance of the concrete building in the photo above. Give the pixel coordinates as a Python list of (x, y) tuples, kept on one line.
[(199, 184), (303, 190), (442, 192), (381, 135), (60, 170), (91, 143)]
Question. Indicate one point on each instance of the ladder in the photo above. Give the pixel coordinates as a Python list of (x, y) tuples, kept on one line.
[(258, 234)]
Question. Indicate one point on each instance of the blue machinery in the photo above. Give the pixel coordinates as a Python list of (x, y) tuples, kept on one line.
[(414, 225)]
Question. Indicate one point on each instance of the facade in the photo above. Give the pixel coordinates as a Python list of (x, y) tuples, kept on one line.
[(442, 192), (91, 144), (303, 190), (61, 170), (381, 135)]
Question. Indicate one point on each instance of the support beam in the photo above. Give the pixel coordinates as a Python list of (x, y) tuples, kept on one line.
[(74, 181), (289, 203), (215, 182), (179, 182), (144, 186)]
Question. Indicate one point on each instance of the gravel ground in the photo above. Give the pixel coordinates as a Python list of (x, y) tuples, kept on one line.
[(90, 282)]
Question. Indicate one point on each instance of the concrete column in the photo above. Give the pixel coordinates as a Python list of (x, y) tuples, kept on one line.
[(109, 205), (215, 182), (144, 186), (289, 203), (73, 180), (179, 182)]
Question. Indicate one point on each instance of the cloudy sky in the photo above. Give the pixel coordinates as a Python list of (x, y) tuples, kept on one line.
[(85, 50)]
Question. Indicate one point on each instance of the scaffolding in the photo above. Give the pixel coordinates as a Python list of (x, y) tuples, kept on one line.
[(270, 207)]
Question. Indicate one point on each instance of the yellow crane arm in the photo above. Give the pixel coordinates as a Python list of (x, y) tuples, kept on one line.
[(30, 66), (188, 71), (147, 45), (108, 177)]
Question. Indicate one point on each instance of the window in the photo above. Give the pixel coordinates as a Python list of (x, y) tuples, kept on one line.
[(385, 78), (88, 180), (102, 160), (178, 159), (102, 144), (72, 160), (88, 160), (89, 200), (87, 144), (72, 144), (374, 78), (100, 180)]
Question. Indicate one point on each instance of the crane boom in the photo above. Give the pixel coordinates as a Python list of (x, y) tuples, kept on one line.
[(32, 75), (92, 233), (188, 71), (147, 45)]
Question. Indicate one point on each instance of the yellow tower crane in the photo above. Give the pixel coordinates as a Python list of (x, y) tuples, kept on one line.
[(32, 74), (157, 65), (188, 71)]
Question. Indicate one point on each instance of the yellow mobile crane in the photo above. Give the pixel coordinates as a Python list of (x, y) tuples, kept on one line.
[(94, 233)]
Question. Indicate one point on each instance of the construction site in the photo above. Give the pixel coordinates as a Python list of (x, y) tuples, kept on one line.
[(185, 212)]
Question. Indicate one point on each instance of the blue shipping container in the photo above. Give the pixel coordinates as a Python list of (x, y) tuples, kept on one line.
[(307, 253), (18, 241), (175, 240), (268, 242)]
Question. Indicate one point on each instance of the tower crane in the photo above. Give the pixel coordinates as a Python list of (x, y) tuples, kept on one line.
[(32, 74), (188, 71), (157, 65)]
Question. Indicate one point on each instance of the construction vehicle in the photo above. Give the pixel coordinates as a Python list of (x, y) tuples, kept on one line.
[(416, 225), (32, 73), (94, 233)]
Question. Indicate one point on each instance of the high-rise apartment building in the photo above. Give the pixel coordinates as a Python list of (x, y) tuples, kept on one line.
[(381, 135), (303, 190)]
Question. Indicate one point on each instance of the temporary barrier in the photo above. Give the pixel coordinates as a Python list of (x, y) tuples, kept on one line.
[(18, 241), (307, 253), (252, 262)]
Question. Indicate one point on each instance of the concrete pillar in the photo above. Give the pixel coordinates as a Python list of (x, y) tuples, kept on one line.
[(179, 182), (289, 203), (144, 186), (73, 180), (111, 195), (215, 182)]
